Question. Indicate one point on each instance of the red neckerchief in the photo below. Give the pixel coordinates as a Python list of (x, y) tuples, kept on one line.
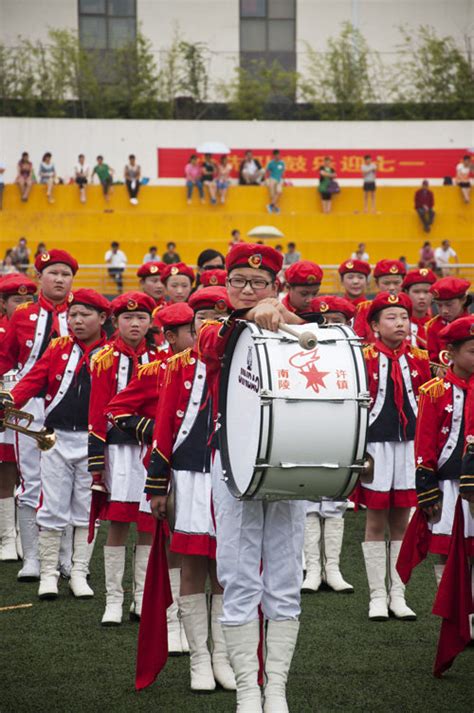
[(396, 374), (286, 303), (87, 351), (54, 310), (129, 351), (355, 300), (421, 321)]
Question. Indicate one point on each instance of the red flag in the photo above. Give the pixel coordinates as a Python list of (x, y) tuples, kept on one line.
[(454, 599), (98, 502), (414, 546), (152, 652)]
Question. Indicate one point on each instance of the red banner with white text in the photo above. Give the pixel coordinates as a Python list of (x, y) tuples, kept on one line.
[(305, 163)]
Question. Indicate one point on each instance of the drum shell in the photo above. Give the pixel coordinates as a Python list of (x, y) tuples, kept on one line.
[(312, 415)]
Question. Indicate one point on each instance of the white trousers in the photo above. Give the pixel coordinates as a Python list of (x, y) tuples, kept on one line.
[(28, 458), (450, 490), (254, 536), (65, 483), (327, 508)]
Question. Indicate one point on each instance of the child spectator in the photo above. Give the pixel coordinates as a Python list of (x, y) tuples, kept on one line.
[(424, 202), (8, 266), (193, 176), (274, 172), (24, 176), (209, 173), (47, 175), (21, 255), (152, 255), (117, 262), (427, 256), (105, 175), (291, 256), (463, 177), (132, 174), (369, 171), (327, 174), (82, 174), (251, 172), (224, 169)]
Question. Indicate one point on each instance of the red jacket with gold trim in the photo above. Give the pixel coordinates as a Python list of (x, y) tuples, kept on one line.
[(212, 342), (112, 369), (466, 485), (361, 325), (182, 424), (439, 439), (436, 345), (356, 301)]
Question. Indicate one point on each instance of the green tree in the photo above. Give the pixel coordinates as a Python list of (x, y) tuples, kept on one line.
[(134, 79)]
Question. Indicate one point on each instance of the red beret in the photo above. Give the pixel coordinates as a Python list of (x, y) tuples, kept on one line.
[(385, 299), (151, 269), (333, 303), (53, 257), (415, 277), (212, 278), (132, 302), (449, 287), (459, 331), (91, 298), (304, 272), (354, 266), (17, 284), (262, 257), (175, 315), (210, 298), (179, 268), (389, 267)]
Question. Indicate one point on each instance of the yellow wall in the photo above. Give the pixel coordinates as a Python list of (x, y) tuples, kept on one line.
[(162, 215)]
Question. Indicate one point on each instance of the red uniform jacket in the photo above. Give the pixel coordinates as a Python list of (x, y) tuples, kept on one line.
[(182, 424), (418, 336), (436, 345), (466, 485), (439, 439), (386, 422), (31, 328), (361, 326), (212, 342), (356, 301), (286, 303), (112, 369), (4, 322)]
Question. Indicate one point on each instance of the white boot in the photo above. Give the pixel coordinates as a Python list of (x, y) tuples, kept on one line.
[(140, 563), (280, 642), (81, 555), (312, 553), (30, 571), (194, 615), (242, 644), (220, 661), (49, 543), (175, 646), (333, 532), (375, 556), (8, 551), (65, 552), (438, 572), (114, 562), (397, 603)]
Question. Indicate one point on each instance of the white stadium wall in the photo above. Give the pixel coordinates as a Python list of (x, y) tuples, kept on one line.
[(116, 139)]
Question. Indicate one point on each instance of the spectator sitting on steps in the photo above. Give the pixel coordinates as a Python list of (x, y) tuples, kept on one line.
[(117, 262), (171, 257), (424, 203), (251, 172)]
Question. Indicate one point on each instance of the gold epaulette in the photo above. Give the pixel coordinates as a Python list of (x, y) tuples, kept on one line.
[(370, 352), (434, 388), (103, 359), (362, 305), (151, 369), (180, 359), (60, 342), (23, 305), (419, 353)]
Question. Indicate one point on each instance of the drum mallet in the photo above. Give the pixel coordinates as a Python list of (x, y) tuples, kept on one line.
[(306, 340)]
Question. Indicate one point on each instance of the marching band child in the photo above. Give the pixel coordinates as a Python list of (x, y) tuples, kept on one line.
[(396, 371), (31, 328), (304, 280), (63, 372), (354, 279), (389, 275), (417, 285), (324, 525), (114, 456), (15, 289), (439, 440), (452, 299), (181, 450), (178, 281)]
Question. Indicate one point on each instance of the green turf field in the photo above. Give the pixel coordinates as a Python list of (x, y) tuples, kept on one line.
[(56, 658)]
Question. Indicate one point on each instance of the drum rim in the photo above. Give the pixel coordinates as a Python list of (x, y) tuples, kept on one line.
[(258, 475)]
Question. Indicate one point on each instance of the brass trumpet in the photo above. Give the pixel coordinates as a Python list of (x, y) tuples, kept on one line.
[(45, 437)]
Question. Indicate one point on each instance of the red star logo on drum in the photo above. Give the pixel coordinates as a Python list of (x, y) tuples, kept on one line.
[(305, 363)]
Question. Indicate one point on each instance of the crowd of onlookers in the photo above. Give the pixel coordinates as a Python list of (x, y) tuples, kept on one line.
[(212, 179)]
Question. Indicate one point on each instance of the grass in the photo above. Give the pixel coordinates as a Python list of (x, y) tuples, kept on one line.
[(56, 658)]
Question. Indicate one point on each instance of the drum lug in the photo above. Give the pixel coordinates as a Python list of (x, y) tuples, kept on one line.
[(364, 399)]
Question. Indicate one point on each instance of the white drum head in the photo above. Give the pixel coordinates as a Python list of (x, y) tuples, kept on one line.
[(242, 413)]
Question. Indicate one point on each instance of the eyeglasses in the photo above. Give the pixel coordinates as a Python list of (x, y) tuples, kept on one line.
[(256, 283)]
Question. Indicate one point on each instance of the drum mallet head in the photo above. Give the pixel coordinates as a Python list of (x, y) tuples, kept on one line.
[(306, 340)]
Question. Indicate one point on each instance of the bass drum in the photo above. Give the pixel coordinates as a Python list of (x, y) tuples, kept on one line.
[(294, 421)]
